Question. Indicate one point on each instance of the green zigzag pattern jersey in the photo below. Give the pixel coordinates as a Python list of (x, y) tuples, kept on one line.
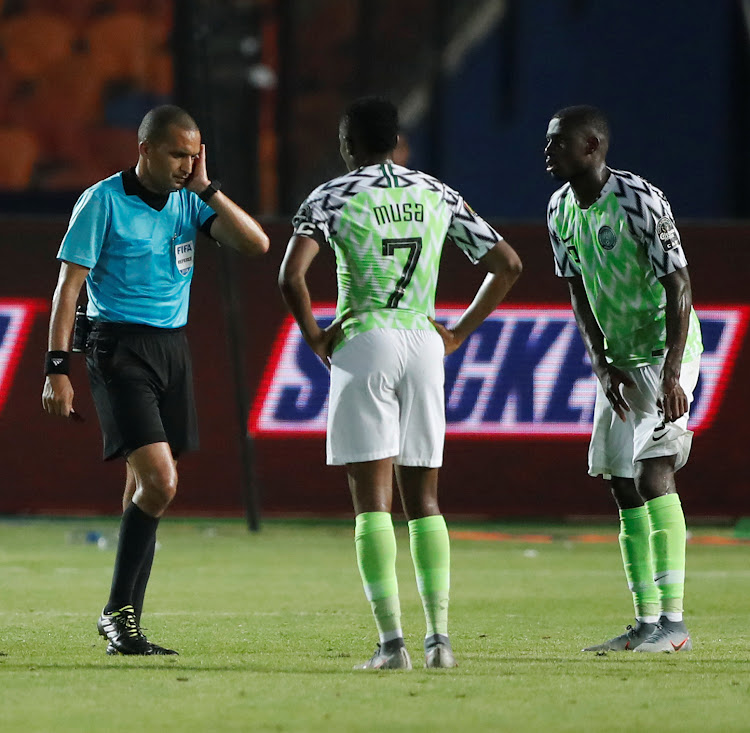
[(620, 246), (387, 225)]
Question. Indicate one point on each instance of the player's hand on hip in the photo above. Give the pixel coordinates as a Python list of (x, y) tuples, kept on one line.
[(612, 381), (199, 179), (672, 401), (324, 341), (57, 395), (450, 340)]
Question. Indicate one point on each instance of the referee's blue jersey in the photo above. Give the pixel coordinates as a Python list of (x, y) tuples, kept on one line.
[(140, 248)]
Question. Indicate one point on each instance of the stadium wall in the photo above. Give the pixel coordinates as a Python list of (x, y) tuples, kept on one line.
[(674, 102), (505, 468)]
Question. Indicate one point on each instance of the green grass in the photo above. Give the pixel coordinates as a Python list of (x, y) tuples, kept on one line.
[(269, 626)]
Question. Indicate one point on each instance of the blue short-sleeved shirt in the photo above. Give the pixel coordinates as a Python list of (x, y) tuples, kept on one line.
[(140, 248)]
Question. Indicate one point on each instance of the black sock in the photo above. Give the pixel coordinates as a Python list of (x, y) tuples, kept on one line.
[(393, 645), (139, 591), (137, 537)]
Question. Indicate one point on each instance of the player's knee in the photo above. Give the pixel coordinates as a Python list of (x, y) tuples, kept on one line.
[(424, 506), (429, 506), (168, 488), (655, 477), (624, 492), (160, 487)]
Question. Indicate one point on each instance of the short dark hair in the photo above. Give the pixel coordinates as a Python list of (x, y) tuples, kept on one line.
[(154, 127), (374, 122), (585, 115)]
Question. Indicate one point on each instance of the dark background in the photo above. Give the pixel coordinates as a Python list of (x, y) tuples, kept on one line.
[(476, 82), (54, 466)]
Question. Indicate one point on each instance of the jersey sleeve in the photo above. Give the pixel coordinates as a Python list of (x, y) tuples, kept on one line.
[(87, 230), (567, 263), (311, 221), (654, 225), (472, 234), (206, 217), (200, 214)]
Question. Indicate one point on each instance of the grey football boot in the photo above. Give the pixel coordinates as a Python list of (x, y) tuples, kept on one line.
[(668, 636), (633, 637), (391, 655), (438, 653)]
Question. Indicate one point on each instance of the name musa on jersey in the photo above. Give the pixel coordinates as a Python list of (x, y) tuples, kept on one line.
[(387, 225)]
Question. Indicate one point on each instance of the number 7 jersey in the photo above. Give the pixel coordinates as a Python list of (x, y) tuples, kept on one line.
[(387, 225)]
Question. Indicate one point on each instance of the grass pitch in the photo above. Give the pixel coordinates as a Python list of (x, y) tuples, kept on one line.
[(269, 626)]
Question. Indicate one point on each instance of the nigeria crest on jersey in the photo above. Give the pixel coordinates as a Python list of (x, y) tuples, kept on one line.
[(607, 238)]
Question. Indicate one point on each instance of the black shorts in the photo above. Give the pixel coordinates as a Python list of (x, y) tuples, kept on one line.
[(142, 384)]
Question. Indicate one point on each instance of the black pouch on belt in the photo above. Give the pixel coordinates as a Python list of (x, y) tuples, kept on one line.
[(81, 328)]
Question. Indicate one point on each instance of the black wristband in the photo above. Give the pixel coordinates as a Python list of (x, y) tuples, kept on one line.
[(209, 191), (57, 362)]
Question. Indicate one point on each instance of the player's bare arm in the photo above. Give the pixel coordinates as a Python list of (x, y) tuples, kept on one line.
[(504, 267), (674, 402), (57, 395), (610, 377), (300, 253), (233, 226)]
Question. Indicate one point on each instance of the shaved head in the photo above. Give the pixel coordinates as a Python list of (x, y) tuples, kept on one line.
[(585, 119), (154, 127)]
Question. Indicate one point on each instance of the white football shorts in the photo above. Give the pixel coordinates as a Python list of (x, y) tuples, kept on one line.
[(616, 445), (387, 399)]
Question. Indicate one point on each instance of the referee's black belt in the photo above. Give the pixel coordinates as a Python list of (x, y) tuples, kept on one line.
[(117, 328)]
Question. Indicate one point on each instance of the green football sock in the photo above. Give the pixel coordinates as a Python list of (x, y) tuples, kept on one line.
[(668, 550), (635, 547), (431, 553), (376, 558)]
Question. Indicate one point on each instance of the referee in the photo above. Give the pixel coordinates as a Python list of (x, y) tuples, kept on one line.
[(132, 239)]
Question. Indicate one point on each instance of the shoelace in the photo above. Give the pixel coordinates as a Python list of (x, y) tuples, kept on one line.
[(127, 614)]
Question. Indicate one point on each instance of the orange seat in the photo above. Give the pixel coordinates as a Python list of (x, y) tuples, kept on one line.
[(58, 107), (76, 12), (7, 88), (160, 74), (21, 151), (73, 88), (34, 41), (102, 152), (120, 45)]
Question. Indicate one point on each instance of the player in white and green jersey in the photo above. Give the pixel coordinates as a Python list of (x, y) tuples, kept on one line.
[(387, 225), (615, 241)]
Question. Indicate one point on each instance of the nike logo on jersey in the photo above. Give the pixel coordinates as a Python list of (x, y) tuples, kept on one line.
[(659, 577)]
